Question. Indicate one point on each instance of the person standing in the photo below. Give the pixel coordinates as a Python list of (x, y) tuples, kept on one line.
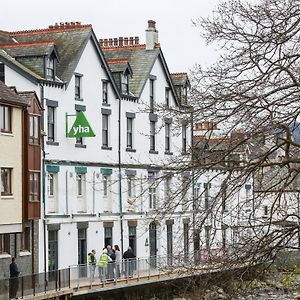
[(102, 264), (14, 280), (92, 265), (129, 261), (117, 261)]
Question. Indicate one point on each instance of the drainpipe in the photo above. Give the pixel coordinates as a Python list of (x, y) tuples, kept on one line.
[(120, 177), (43, 176)]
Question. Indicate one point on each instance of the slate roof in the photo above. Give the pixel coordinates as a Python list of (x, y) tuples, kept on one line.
[(140, 60), (69, 41), (9, 96), (179, 78), (119, 65), (29, 49)]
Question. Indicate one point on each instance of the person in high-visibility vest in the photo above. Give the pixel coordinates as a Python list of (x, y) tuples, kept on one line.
[(92, 265), (102, 264)]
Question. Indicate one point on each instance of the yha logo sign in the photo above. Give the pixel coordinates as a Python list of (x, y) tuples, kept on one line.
[(81, 127)]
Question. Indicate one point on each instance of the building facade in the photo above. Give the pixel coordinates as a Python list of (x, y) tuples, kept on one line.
[(109, 153)]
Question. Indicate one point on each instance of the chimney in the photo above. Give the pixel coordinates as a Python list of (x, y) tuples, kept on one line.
[(151, 35)]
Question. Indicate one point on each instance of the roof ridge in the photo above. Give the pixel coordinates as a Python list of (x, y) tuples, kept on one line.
[(179, 73), (139, 46), (53, 28), (27, 43), (4, 32), (117, 60)]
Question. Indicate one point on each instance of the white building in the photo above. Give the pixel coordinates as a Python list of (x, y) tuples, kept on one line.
[(104, 189)]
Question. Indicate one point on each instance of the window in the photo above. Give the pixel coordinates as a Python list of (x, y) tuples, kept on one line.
[(132, 238), (169, 243), (79, 181), (152, 95), (25, 239), (224, 235), (79, 140), (104, 92), (2, 72), (129, 133), (51, 184), (184, 193), (207, 236), (186, 240), (51, 124), (34, 186), (6, 184), (108, 236), (130, 187), (152, 135), (106, 184), (4, 243), (5, 118), (34, 126), (49, 68), (266, 211), (105, 130), (168, 189), (124, 84), (184, 138), (152, 196), (224, 196), (197, 195), (184, 94), (167, 137), (77, 87), (207, 187), (167, 97)]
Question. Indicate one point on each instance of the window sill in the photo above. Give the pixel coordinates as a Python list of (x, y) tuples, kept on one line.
[(78, 99), (80, 146), (52, 143), (168, 153), (105, 104), (106, 148), (24, 253), (7, 197), (7, 133), (5, 255), (153, 152), (130, 150)]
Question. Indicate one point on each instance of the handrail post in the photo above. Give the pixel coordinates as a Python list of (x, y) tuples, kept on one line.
[(22, 283), (59, 280), (45, 283), (69, 273), (56, 280), (138, 268), (78, 271), (33, 283), (149, 264)]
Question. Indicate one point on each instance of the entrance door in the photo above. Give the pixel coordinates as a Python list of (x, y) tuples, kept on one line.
[(82, 251), (153, 243), (52, 250)]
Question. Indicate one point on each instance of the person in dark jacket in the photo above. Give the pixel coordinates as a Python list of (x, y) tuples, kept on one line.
[(14, 280), (129, 258)]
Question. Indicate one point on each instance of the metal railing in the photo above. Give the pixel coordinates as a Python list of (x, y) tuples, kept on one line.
[(87, 276)]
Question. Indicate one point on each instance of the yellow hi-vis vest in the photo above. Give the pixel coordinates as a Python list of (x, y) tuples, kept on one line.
[(103, 260), (91, 259)]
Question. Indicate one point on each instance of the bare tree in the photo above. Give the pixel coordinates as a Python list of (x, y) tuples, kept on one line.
[(246, 107)]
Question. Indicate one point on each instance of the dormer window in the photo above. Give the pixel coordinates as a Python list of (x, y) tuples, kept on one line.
[(49, 68), (125, 84)]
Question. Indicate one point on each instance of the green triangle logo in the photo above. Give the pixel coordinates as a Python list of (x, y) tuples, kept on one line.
[(81, 127)]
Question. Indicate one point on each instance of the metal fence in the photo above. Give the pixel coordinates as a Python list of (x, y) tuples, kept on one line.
[(79, 276)]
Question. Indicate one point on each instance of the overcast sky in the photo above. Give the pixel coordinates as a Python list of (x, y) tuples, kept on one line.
[(180, 41)]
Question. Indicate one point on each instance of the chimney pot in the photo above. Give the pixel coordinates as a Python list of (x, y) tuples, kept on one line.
[(136, 40), (131, 40), (51, 26), (126, 41), (121, 41), (110, 42), (151, 24), (115, 42)]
